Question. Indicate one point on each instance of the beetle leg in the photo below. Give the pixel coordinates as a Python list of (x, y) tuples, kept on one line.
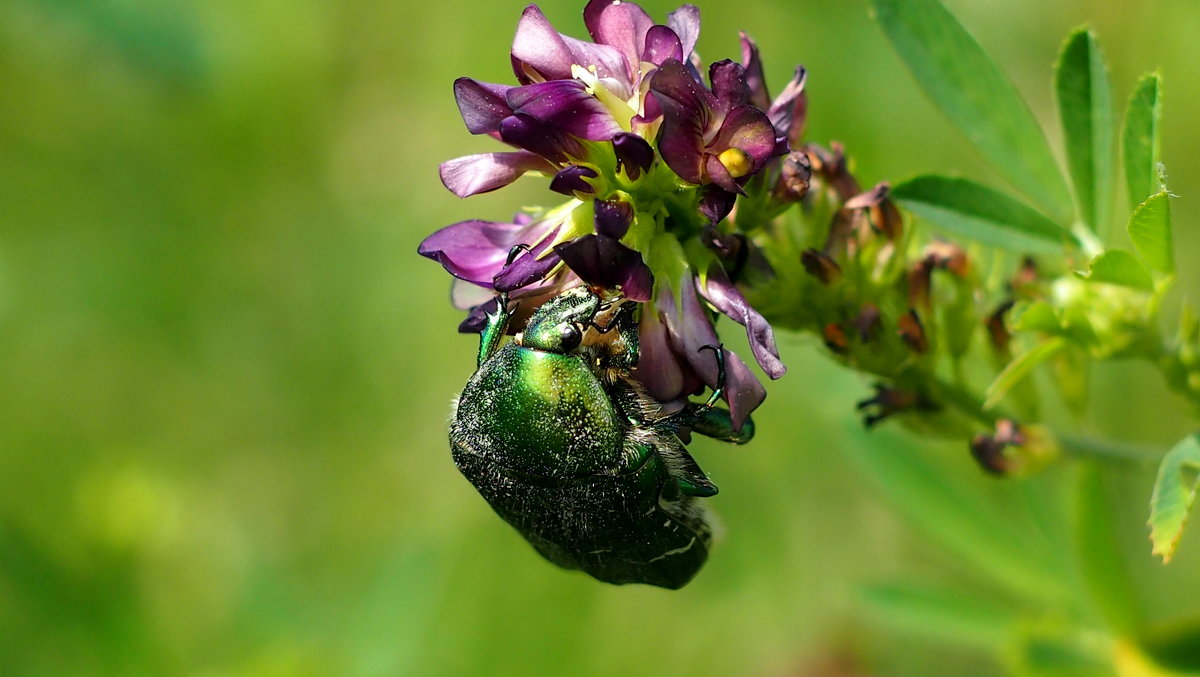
[(719, 389), (717, 424), (497, 322), (686, 472), (627, 331)]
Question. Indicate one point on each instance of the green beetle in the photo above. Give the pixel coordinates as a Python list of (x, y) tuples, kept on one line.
[(571, 451)]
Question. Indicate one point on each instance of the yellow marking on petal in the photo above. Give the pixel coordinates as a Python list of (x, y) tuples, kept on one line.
[(621, 110), (737, 161)]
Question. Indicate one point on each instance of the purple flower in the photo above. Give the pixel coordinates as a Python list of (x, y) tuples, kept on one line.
[(476, 251), (615, 124), (711, 137), (672, 341), (601, 260)]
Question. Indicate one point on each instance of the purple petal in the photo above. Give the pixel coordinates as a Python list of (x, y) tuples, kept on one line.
[(465, 295), (565, 104), (539, 46), (621, 25), (524, 131), (686, 107), (609, 62), (613, 218), (685, 21), (634, 154), (527, 268), (743, 391), (605, 262), (755, 79), (748, 129), (729, 84), (476, 318), (658, 367), (481, 104), (718, 174), (540, 53), (476, 250), (662, 44), (722, 293), (716, 203), (474, 174), (570, 180), (790, 108), (693, 326)]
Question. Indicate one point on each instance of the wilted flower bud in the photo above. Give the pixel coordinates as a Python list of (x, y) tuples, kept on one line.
[(910, 329), (1013, 449)]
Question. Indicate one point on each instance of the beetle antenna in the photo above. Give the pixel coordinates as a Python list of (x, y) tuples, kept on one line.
[(720, 387)]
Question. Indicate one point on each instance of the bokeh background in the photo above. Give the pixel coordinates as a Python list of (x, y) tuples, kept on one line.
[(225, 375)]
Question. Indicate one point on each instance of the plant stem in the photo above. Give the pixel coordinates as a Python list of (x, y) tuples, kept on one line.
[(1084, 446)]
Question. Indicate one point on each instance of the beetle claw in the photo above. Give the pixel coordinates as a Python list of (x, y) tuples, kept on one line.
[(718, 351), (512, 253)]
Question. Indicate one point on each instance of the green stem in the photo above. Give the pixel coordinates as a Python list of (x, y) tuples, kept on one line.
[(1084, 446)]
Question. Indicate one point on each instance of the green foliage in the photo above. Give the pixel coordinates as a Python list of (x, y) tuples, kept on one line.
[(942, 614), (1085, 109), (966, 208), (1140, 138), (1104, 572), (1020, 367), (1150, 229), (1119, 267), (972, 528), (975, 95), (1175, 491)]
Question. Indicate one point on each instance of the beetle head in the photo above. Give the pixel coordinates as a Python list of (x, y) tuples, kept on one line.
[(559, 324)]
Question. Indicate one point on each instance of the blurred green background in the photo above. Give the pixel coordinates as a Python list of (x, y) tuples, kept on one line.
[(225, 375)]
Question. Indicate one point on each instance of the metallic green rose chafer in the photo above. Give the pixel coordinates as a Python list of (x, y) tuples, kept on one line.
[(570, 450)]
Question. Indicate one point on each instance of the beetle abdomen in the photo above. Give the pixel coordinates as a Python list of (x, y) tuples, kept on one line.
[(617, 528)]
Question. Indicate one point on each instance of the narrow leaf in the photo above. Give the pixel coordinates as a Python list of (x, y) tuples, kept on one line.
[(1105, 574), (941, 614), (1141, 138), (1150, 230), (976, 211), (1119, 267), (1174, 492), (979, 531), (1019, 368), (1085, 109), (1174, 645), (975, 95)]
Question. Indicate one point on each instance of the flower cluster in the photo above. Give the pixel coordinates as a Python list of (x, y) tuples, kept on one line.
[(653, 160)]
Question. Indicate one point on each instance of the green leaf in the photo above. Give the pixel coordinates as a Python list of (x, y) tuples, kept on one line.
[(1174, 645), (941, 614), (979, 531), (976, 211), (1019, 368), (1119, 267), (1105, 574), (1037, 316), (1140, 138), (1174, 492), (976, 96), (1085, 109), (1150, 230)]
